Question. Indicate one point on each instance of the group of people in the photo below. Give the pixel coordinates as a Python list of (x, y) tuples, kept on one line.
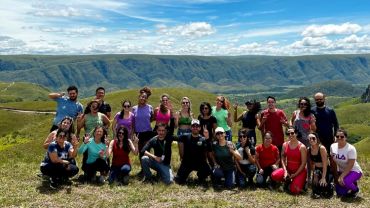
[(315, 152)]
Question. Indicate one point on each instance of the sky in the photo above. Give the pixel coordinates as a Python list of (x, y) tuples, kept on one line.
[(185, 27)]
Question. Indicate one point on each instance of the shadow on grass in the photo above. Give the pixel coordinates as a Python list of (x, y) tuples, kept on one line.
[(44, 188), (351, 200)]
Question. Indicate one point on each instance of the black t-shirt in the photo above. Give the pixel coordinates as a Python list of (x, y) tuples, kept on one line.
[(104, 108), (195, 148), (208, 122), (161, 147)]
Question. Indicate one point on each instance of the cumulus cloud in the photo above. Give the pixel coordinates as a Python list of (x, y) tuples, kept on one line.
[(191, 30), (10, 45), (331, 29)]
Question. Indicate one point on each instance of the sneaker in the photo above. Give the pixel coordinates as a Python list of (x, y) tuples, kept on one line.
[(353, 194), (125, 179), (53, 183), (315, 196), (148, 180)]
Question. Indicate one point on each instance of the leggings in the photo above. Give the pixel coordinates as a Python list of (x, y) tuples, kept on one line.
[(350, 183)]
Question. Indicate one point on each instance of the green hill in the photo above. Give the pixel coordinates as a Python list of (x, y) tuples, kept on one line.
[(215, 74), (21, 91)]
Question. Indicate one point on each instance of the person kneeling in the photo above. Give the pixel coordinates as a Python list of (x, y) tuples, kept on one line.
[(57, 163), (160, 160)]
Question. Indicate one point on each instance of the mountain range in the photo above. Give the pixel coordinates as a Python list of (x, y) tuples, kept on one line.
[(218, 74)]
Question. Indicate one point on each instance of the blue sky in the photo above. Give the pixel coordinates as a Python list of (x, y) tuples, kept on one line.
[(185, 27)]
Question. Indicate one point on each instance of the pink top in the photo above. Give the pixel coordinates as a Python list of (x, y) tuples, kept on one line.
[(163, 118)]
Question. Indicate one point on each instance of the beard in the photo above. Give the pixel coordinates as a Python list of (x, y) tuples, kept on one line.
[(320, 104)]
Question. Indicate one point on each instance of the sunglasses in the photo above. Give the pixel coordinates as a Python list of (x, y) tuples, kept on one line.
[(62, 136), (342, 137), (205, 108), (120, 132), (219, 133), (313, 138), (290, 133), (126, 106), (185, 103), (243, 136)]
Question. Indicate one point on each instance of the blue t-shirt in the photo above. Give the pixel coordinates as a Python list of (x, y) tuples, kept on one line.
[(66, 107), (63, 153)]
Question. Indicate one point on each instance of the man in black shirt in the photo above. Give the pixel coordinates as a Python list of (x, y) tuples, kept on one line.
[(104, 107), (193, 150), (326, 121), (161, 159)]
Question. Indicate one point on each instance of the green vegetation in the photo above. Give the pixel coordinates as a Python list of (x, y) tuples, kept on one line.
[(22, 135), (20, 91)]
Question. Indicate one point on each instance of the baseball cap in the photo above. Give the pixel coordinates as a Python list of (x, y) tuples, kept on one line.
[(219, 129), (195, 122)]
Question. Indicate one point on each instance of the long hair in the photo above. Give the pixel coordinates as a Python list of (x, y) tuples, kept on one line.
[(306, 111), (188, 99), (225, 102), (122, 113), (105, 133), (204, 104), (71, 129), (162, 107), (145, 90), (125, 142), (247, 144)]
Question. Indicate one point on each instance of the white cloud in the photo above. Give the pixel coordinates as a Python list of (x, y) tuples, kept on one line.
[(74, 32), (331, 29), (191, 30), (10, 45), (311, 42)]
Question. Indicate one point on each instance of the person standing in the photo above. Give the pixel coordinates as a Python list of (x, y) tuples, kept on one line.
[(66, 105), (326, 121), (222, 114), (193, 150), (273, 119), (104, 107)]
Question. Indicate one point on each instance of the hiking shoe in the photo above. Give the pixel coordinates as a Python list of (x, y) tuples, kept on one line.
[(53, 183), (125, 180), (353, 194), (101, 180)]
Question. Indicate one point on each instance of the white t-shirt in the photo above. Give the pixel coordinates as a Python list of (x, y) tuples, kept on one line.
[(245, 161), (341, 156)]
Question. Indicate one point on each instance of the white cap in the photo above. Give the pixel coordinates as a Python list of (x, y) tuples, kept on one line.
[(219, 129), (195, 122)]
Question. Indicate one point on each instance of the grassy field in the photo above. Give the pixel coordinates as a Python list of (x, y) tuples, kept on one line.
[(22, 135)]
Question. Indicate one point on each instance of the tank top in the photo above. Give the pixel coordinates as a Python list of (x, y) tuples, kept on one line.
[(315, 158), (303, 125), (93, 121), (249, 120), (293, 157), (120, 156), (163, 118), (184, 120)]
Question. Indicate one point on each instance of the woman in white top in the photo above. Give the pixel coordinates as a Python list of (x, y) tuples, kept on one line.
[(349, 172)]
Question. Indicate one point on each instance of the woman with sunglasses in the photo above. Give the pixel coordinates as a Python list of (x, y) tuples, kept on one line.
[(321, 186), (246, 168), (164, 114), (248, 118), (184, 117), (344, 157), (120, 148), (96, 146), (57, 163), (206, 119), (303, 120), (267, 159), (223, 155), (223, 116), (294, 159), (124, 118)]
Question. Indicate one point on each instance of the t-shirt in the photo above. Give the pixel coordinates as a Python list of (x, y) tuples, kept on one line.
[(124, 122), (62, 152), (267, 155), (208, 122), (273, 124), (161, 148), (249, 120), (223, 156), (195, 148), (341, 156), (142, 115), (326, 124), (245, 161), (93, 150), (221, 117), (66, 107)]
